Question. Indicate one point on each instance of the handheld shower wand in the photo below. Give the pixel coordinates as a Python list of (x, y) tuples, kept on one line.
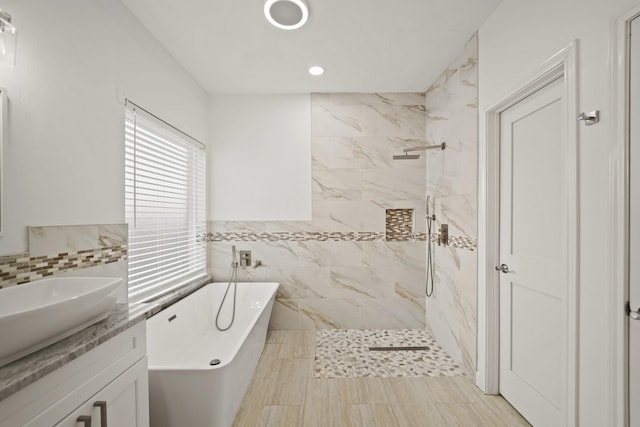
[(234, 263), (232, 281), (430, 248)]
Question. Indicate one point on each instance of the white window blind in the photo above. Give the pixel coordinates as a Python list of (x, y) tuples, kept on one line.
[(164, 206)]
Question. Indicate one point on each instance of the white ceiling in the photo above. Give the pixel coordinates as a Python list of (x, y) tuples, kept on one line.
[(365, 45)]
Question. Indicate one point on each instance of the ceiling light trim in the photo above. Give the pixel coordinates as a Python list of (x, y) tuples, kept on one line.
[(299, 3), (316, 70)]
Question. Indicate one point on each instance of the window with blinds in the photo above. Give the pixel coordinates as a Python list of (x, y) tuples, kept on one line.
[(164, 206)]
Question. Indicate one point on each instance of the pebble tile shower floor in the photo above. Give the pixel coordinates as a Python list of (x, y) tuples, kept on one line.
[(285, 393), (346, 353)]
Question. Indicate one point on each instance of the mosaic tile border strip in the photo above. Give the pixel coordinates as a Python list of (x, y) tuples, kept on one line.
[(20, 268), (459, 242), (344, 353), (297, 236)]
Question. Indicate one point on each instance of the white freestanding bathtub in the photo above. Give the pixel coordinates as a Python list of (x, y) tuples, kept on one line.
[(182, 340)]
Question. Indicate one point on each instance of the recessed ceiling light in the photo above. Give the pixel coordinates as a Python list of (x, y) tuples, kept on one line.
[(286, 14), (316, 70)]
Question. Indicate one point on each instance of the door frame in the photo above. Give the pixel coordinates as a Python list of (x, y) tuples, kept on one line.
[(619, 211), (562, 64)]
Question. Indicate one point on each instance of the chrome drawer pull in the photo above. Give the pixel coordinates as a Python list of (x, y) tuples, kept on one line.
[(103, 412)]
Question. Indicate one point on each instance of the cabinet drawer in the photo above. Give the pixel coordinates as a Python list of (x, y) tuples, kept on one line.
[(124, 402)]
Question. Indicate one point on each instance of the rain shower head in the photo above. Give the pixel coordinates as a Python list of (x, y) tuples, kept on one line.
[(407, 156)]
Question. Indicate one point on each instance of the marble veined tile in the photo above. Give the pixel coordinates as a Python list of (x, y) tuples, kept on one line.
[(298, 282), (329, 313), (404, 255), (393, 184), (460, 212), (285, 315), (339, 120), (340, 184), (364, 152), (51, 240), (342, 215), (360, 283), (392, 313), (236, 226), (113, 234), (392, 120), (331, 99), (330, 254)]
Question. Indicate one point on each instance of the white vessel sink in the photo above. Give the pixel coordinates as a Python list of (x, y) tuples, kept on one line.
[(40, 313)]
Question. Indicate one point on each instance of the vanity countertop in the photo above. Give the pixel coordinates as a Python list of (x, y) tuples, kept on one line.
[(19, 374)]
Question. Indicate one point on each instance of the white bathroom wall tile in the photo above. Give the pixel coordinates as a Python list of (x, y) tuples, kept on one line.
[(396, 98), (336, 120), (459, 211), (400, 266), (236, 226), (291, 226), (393, 184), (451, 115), (322, 152), (51, 240), (364, 152), (337, 184), (113, 235), (360, 283), (330, 254), (392, 120), (298, 282), (337, 215), (281, 254), (285, 315), (438, 308), (392, 313), (372, 215), (329, 313), (389, 255)]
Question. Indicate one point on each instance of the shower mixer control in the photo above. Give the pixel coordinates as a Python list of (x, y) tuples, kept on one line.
[(245, 258), (443, 239)]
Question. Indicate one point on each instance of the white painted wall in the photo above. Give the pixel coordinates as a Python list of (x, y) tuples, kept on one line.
[(260, 158), (64, 156), (514, 42)]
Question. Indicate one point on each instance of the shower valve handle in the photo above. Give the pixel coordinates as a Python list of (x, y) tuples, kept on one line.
[(503, 268)]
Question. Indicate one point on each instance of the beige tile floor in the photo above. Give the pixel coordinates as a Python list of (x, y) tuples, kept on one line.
[(284, 393)]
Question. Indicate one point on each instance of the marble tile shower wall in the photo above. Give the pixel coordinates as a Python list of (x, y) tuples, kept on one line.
[(55, 250), (338, 270), (452, 116)]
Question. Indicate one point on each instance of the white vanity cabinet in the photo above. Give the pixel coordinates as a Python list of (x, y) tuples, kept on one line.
[(118, 404), (105, 387)]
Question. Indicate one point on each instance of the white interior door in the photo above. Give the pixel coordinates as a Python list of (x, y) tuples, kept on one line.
[(634, 225), (533, 247)]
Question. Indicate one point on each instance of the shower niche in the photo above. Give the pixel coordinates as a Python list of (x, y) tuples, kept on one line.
[(399, 225)]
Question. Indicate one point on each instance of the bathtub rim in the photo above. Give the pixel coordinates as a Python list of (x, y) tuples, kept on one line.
[(242, 338)]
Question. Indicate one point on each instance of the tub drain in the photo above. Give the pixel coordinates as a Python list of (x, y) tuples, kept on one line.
[(215, 362)]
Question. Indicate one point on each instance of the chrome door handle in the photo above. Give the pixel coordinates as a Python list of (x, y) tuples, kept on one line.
[(634, 314), (503, 268), (103, 412), (84, 419)]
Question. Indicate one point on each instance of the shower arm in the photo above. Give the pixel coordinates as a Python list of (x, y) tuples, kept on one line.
[(428, 147)]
